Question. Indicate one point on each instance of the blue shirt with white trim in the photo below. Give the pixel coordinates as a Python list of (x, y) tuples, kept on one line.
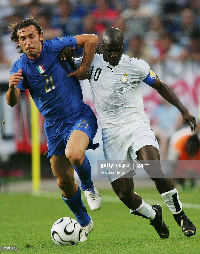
[(52, 91)]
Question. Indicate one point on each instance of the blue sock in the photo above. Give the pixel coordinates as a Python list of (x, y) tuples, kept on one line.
[(76, 205), (84, 173)]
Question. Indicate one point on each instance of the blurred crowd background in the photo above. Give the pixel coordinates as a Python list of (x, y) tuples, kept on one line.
[(165, 33), (153, 29)]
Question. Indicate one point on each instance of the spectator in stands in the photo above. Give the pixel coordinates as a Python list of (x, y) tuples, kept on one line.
[(9, 48), (88, 27), (136, 18), (88, 24), (156, 30), (195, 7), (33, 9), (137, 48), (170, 11), (169, 52), (188, 24), (120, 23), (4, 61), (184, 155), (193, 49), (151, 6), (66, 18), (89, 4), (166, 119), (104, 15), (48, 31)]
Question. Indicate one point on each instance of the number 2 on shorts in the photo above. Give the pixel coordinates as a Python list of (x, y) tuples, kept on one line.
[(83, 124)]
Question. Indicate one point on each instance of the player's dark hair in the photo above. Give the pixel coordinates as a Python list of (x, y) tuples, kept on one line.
[(112, 36), (192, 145), (22, 24)]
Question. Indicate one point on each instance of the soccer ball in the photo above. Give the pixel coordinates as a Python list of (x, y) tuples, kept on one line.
[(66, 231)]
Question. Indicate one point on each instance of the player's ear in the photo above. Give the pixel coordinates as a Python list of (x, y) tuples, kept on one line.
[(41, 37)]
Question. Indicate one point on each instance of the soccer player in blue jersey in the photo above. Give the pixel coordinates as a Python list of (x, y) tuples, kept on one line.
[(115, 81), (70, 124)]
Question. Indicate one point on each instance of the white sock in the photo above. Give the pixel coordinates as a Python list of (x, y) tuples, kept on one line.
[(172, 200), (146, 210)]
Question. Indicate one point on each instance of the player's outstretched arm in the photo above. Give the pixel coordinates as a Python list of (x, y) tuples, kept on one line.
[(13, 93), (89, 43), (168, 94)]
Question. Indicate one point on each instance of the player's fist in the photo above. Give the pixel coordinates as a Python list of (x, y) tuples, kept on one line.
[(66, 53), (190, 120), (15, 78)]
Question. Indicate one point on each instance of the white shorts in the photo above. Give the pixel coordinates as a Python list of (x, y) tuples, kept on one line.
[(121, 145)]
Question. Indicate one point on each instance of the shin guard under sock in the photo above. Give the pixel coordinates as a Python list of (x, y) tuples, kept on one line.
[(84, 173), (76, 205)]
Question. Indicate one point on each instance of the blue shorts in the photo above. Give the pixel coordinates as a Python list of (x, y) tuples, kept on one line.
[(58, 130)]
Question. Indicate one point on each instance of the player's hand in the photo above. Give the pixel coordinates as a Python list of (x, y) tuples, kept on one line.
[(14, 79), (190, 120), (66, 53), (80, 73)]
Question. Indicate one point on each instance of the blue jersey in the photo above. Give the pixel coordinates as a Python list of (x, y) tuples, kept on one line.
[(58, 98), (52, 91)]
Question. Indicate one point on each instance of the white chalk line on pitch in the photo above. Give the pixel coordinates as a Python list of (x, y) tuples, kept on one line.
[(111, 199)]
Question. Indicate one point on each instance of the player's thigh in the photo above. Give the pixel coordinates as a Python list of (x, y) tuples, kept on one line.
[(148, 152), (149, 157), (61, 167), (77, 143)]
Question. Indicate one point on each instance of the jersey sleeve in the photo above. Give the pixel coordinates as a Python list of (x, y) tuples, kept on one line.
[(140, 68), (77, 62), (59, 43), (150, 78)]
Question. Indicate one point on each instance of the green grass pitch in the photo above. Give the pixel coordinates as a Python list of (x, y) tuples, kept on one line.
[(26, 221)]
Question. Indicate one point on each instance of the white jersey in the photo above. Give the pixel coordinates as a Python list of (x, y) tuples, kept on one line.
[(116, 90), (120, 108)]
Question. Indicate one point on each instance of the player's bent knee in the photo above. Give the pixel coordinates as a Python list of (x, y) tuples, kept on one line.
[(63, 184), (75, 157)]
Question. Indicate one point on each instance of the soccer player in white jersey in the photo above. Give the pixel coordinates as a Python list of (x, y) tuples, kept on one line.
[(115, 81)]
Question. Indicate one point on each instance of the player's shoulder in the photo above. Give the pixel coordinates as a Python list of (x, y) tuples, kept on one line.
[(136, 64), (21, 60), (97, 59), (20, 63), (134, 61), (56, 39), (48, 43), (61, 41)]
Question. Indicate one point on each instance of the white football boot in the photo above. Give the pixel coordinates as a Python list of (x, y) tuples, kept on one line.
[(85, 231), (93, 199)]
